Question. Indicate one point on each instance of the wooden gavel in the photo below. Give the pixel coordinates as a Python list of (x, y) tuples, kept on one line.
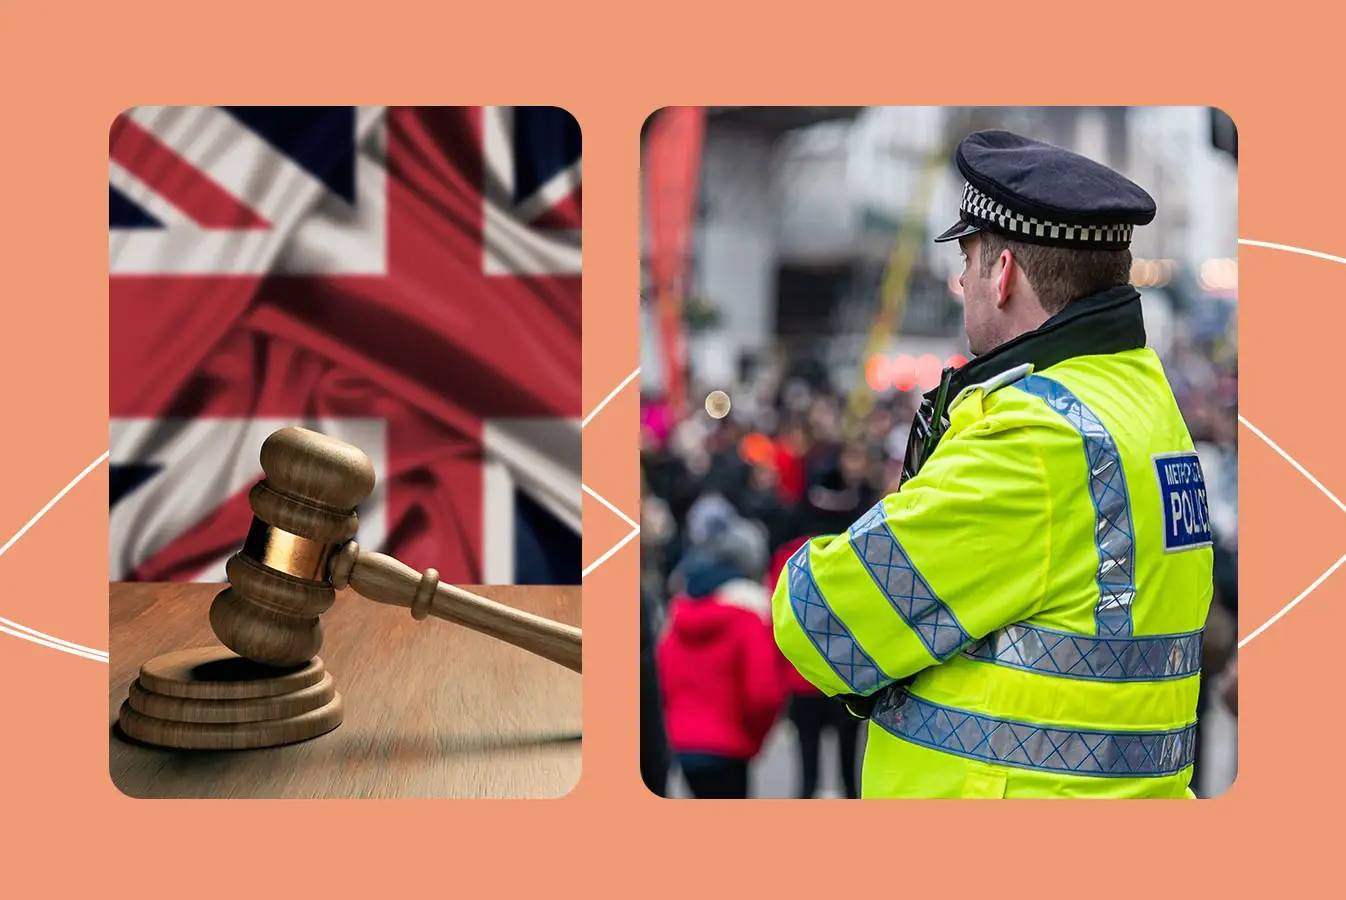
[(299, 553)]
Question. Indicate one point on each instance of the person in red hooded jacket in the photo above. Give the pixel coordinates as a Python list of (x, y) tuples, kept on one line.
[(719, 671)]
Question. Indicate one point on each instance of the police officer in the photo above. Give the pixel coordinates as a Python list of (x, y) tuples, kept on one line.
[(1023, 617)]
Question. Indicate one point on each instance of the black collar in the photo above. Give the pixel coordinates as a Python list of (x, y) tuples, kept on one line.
[(1107, 322)]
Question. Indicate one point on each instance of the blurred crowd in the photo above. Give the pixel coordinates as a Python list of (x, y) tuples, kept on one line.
[(726, 501)]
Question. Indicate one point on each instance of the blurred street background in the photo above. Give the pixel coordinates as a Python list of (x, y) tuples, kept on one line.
[(787, 262)]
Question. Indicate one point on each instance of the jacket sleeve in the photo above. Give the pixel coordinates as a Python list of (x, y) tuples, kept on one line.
[(961, 550)]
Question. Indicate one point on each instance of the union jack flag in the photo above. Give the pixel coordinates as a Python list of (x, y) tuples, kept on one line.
[(404, 279)]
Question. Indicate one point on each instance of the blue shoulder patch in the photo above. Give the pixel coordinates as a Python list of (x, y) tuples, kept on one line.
[(1182, 490)]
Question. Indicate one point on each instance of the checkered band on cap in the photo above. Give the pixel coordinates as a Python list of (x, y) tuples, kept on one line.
[(983, 209)]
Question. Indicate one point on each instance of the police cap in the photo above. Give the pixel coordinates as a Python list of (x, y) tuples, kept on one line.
[(1034, 192)]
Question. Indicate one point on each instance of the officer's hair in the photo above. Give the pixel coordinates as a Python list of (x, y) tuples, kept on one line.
[(1059, 275)]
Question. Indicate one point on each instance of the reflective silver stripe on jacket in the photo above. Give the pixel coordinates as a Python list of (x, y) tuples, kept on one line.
[(911, 598), (1068, 751), (1112, 505), (828, 633), (1115, 654), (1051, 652)]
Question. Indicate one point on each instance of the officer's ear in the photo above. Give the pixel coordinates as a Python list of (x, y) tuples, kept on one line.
[(1008, 268)]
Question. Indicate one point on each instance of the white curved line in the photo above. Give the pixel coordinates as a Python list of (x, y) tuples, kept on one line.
[(615, 511), (23, 632), (1316, 254), (1294, 462), (608, 399), (63, 646), (635, 530), (611, 552), (1286, 248), (42, 637), (53, 501), (635, 527), (1293, 603), (1321, 487)]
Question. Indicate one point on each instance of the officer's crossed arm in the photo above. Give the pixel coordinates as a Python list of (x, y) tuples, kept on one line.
[(961, 550)]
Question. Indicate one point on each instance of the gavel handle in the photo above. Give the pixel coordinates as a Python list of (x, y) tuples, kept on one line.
[(381, 578)]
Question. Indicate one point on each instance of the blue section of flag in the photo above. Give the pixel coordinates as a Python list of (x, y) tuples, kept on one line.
[(126, 478), (123, 212), (546, 143), (321, 139), (546, 551)]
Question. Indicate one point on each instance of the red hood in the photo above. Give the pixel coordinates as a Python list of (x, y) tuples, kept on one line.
[(706, 619)]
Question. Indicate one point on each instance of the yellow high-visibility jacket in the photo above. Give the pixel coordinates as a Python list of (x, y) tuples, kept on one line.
[(1026, 612)]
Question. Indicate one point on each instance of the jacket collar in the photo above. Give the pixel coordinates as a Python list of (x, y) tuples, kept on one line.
[(1103, 323)]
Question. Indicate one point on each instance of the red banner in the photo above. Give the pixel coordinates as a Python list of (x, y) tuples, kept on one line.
[(671, 172)]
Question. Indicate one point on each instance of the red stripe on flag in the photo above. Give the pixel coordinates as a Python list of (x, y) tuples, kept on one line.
[(178, 181)]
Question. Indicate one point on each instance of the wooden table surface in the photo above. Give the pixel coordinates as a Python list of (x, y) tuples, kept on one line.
[(431, 709)]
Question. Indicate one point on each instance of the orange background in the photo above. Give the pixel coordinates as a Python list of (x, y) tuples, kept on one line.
[(66, 72)]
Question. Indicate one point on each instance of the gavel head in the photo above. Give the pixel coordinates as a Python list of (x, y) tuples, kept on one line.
[(279, 583)]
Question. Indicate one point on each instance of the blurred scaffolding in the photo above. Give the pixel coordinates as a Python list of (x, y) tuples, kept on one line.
[(789, 250)]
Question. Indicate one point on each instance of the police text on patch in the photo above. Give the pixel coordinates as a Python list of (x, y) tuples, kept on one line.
[(1182, 490)]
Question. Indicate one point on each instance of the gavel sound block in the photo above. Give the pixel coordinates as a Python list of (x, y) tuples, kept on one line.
[(266, 685)]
